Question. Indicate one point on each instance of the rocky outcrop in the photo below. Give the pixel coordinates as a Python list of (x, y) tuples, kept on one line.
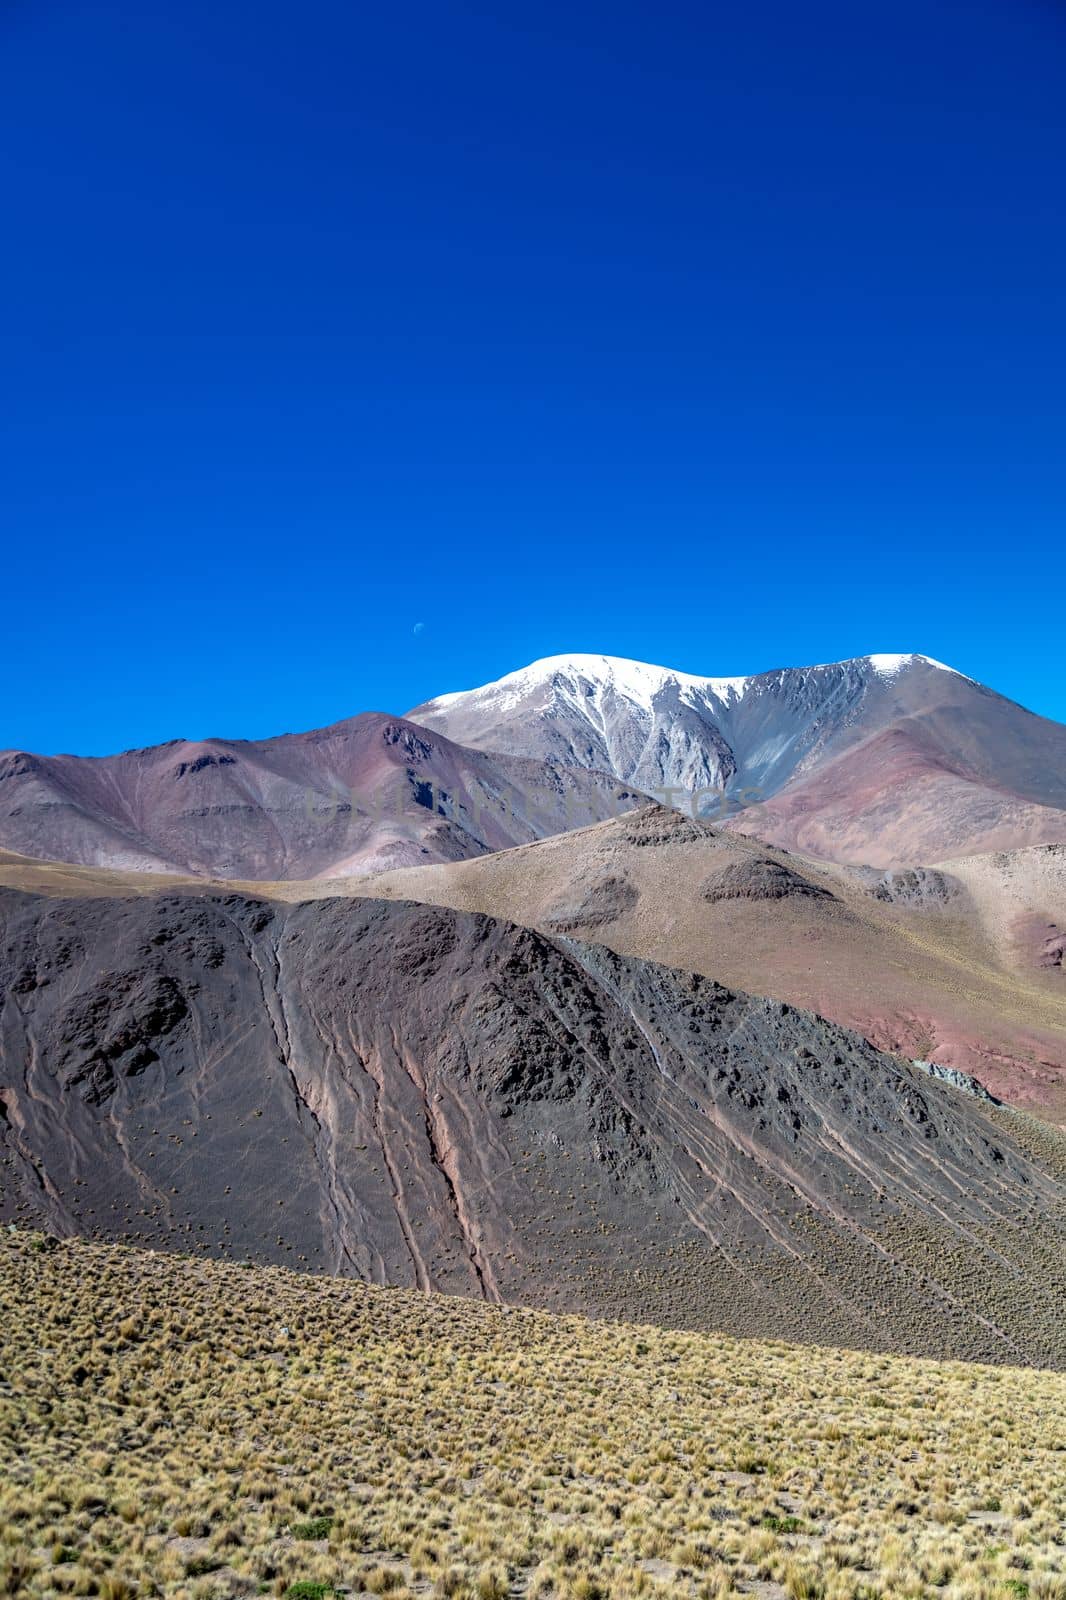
[(594, 904), (760, 878), (912, 886), (958, 1080)]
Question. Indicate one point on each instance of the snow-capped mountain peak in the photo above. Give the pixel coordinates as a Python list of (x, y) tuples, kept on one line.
[(891, 666), (659, 728), (637, 681), (642, 681)]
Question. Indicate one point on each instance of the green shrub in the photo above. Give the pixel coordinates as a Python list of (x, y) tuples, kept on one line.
[(313, 1528)]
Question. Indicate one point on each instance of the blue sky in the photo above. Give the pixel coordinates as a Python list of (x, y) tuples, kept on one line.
[(725, 337)]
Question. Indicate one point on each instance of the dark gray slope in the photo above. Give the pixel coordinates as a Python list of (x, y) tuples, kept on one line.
[(420, 1096)]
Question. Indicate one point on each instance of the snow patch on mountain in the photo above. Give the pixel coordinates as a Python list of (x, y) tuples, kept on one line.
[(888, 667), (641, 682)]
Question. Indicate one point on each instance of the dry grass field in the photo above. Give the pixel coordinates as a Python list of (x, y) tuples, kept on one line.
[(196, 1428)]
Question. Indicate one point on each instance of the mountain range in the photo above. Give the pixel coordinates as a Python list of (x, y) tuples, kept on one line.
[(886, 760), (733, 1003), (373, 791)]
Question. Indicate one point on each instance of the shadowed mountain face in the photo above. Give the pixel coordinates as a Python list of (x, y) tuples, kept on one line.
[(374, 791), (414, 1095), (889, 760)]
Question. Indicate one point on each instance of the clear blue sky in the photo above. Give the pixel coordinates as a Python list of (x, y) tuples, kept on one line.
[(723, 336)]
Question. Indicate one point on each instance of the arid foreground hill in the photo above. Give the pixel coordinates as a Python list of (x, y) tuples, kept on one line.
[(191, 1429), (414, 1095)]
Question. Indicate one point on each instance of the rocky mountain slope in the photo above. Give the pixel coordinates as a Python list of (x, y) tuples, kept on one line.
[(413, 1095), (372, 791), (960, 962), (1020, 897), (960, 965), (890, 760), (897, 799)]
